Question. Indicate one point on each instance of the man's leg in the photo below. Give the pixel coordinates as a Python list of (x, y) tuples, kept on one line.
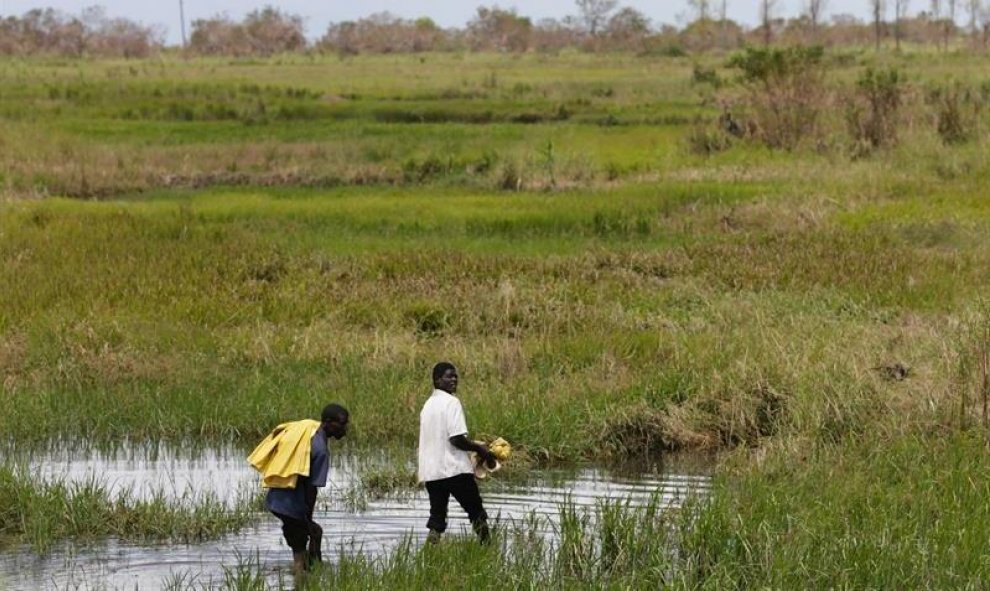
[(439, 497), (299, 568), (315, 550), (465, 490), (296, 534)]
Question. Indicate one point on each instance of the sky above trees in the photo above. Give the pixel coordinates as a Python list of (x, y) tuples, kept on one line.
[(318, 14)]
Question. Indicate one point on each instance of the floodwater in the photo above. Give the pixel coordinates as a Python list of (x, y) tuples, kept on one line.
[(352, 522)]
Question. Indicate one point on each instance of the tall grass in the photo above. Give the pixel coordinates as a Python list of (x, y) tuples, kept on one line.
[(611, 545), (215, 316), (905, 513), (40, 513)]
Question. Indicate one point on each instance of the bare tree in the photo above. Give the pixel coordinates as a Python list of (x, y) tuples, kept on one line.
[(936, 10), (814, 9), (973, 7), (950, 23), (723, 17), (900, 13), (504, 30), (701, 9), (270, 31), (594, 13), (267, 31), (626, 29), (878, 8), (767, 8)]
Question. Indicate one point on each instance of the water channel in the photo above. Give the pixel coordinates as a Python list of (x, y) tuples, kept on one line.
[(372, 525)]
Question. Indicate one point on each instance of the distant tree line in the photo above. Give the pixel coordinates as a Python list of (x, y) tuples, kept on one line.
[(598, 25), (262, 32), (47, 31)]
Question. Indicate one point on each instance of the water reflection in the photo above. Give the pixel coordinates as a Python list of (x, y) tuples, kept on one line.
[(371, 525)]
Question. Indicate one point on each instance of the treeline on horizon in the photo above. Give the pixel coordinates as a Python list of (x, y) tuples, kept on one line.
[(599, 25)]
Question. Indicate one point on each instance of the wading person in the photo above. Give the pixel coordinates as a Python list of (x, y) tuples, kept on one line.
[(294, 461), (444, 461)]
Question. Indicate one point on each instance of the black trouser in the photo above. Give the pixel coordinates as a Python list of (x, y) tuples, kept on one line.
[(299, 533), (464, 488)]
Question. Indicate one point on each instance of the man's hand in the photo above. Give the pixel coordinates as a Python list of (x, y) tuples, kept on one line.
[(487, 456), (461, 442)]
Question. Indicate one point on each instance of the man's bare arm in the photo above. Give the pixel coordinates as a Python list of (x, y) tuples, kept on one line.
[(462, 443)]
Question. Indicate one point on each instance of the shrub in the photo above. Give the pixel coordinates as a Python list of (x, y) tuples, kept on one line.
[(957, 111), (785, 92), (872, 113), (708, 139), (702, 75)]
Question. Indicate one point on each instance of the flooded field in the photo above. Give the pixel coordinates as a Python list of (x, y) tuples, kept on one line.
[(353, 521)]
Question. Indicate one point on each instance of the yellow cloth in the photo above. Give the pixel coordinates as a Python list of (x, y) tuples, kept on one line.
[(284, 454)]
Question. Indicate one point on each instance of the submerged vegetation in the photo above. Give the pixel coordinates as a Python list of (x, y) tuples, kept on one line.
[(623, 255)]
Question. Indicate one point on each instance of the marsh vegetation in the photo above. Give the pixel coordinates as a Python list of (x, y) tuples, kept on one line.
[(623, 255)]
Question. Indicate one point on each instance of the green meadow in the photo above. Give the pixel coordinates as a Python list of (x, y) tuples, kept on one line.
[(196, 250)]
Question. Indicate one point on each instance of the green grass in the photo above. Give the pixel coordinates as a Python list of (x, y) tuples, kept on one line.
[(611, 298), (613, 544), (901, 513), (39, 514)]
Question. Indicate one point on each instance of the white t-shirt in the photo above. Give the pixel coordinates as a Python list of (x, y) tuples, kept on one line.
[(441, 418)]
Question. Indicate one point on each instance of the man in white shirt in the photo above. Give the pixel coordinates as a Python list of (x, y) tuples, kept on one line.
[(444, 460)]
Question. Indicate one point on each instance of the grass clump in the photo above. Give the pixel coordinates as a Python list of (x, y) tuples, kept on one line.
[(958, 111), (41, 514)]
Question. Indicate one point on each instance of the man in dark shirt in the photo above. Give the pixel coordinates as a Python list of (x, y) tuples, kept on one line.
[(294, 506)]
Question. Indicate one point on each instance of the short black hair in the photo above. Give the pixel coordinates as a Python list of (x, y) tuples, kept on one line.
[(335, 413), (441, 368)]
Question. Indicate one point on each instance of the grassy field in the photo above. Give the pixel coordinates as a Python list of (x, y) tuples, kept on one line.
[(196, 250)]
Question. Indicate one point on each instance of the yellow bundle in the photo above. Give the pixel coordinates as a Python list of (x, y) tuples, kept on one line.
[(500, 448)]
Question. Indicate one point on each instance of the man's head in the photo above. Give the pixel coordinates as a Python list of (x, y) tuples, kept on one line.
[(334, 419), (445, 377)]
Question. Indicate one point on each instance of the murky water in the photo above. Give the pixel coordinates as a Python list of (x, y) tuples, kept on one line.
[(369, 525)]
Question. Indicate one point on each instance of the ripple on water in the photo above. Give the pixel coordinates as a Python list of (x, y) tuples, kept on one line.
[(373, 527)]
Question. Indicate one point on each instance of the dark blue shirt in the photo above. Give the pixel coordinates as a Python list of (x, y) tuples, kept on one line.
[(291, 502)]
